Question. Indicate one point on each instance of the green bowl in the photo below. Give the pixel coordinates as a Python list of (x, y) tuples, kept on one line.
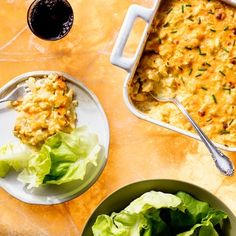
[(121, 198)]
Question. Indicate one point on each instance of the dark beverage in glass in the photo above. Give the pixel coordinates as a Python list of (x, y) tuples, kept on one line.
[(50, 19)]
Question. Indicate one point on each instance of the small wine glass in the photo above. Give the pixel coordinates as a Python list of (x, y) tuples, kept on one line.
[(50, 19)]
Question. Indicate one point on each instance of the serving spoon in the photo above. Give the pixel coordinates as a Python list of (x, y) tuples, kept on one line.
[(222, 162)]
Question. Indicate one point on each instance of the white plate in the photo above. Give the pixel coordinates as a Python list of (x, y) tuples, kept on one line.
[(89, 112)]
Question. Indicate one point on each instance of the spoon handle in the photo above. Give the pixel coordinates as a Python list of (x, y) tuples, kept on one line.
[(222, 162)]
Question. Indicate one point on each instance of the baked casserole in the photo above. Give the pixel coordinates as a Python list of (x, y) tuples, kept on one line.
[(191, 54), (49, 107)]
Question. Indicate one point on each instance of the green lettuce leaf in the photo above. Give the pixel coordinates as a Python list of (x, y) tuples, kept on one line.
[(195, 211), (215, 217), (121, 224), (63, 158), (158, 226), (207, 225), (134, 220), (155, 200), (4, 168), (204, 229), (70, 154), (38, 167), (15, 156)]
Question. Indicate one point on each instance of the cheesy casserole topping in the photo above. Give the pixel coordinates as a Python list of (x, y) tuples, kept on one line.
[(48, 108), (191, 54)]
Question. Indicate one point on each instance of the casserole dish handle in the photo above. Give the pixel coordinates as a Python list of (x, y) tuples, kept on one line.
[(133, 13), (231, 2)]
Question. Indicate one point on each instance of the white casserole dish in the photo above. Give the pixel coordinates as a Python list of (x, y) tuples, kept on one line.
[(130, 64)]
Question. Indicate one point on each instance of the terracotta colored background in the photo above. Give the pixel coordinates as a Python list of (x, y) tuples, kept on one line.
[(138, 150)]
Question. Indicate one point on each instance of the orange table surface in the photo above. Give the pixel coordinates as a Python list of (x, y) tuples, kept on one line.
[(138, 150)]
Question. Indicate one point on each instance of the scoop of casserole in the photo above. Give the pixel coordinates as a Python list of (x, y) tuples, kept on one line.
[(48, 108)]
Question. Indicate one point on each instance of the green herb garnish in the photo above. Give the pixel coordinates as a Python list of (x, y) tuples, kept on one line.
[(200, 52), (202, 69), (166, 24), (169, 10), (213, 30), (190, 71), (227, 89), (204, 88), (226, 28), (190, 18), (199, 20), (226, 50), (198, 75), (182, 8), (224, 131), (214, 98), (231, 122), (188, 48), (222, 73)]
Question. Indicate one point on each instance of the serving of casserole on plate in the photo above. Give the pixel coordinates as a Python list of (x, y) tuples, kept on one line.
[(190, 53), (49, 108), (53, 149)]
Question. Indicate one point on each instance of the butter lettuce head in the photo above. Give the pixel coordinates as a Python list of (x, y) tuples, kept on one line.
[(134, 220), (70, 154), (162, 214), (63, 158)]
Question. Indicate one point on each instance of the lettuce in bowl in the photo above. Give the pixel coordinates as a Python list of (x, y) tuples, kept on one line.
[(162, 214)]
